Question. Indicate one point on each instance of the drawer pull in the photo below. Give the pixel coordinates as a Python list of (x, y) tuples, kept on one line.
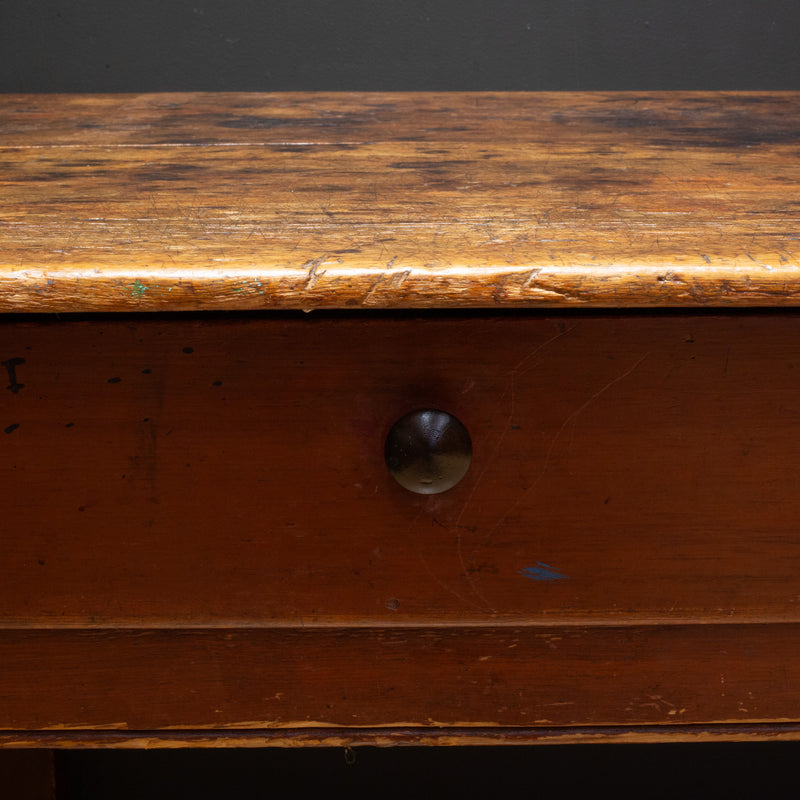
[(428, 451)]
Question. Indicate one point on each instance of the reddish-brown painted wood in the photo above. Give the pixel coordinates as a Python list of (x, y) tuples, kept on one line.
[(425, 678), (193, 472), (251, 201)]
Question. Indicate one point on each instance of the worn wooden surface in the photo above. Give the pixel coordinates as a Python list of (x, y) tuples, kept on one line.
[(424, 678), (333, 736), (248, 201), (202, 545), (192, 472)]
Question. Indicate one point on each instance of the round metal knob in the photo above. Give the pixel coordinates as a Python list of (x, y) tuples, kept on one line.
[(428, 451)]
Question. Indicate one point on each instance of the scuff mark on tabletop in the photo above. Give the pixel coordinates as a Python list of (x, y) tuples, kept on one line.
[(543, 572), (312, 265)]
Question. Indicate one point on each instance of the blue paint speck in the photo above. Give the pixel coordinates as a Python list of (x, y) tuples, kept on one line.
[(543, 572)]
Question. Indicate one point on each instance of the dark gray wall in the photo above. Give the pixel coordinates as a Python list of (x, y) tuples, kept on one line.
[(151, 45)]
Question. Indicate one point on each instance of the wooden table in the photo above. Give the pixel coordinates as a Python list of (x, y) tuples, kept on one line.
[(203, 545)]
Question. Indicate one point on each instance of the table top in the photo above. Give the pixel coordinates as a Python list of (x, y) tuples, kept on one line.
[(203, 201)]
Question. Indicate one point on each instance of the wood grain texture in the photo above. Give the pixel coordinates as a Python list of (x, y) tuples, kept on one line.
[(254, 201), (229, 680), (392, 736), (192, 472)]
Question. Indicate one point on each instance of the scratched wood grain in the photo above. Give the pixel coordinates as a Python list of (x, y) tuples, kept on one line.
[(190, 472), (251, 201), (390, 736), (256, 680)]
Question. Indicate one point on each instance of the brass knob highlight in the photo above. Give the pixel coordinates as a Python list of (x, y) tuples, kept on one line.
[(428, 451)]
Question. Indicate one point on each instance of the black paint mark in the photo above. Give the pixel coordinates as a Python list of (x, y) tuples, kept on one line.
[(69, 425), (432, 163), (12, 428), (252, 121), (217, 383), (717, 130), (516, 427), (188, 350), (114, 380), (477, 569), (169, 172), (11, 365), (41, 562), (146, 371), (255, 122)]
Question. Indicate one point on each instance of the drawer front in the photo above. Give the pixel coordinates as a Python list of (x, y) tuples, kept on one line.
[(216, 472)]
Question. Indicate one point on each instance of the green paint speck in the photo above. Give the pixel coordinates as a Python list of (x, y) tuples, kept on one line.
[(138, 289)]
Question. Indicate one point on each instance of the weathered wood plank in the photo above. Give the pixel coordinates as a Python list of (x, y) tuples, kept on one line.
[(333, 736), (416, 678), (243, 201)]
